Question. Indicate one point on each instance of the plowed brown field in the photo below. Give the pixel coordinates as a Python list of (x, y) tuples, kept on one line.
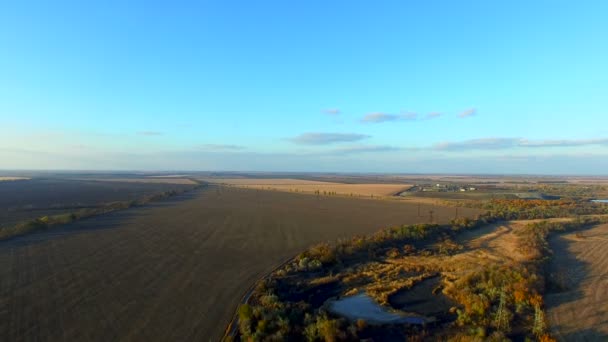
[(171, 271), (579, 312)]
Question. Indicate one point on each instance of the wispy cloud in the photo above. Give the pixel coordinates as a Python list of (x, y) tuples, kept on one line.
[(327, 138), (149, 133), (563, 142), (364, 149), (468, 113), (477, 144), (221, 147), (384, 117), (332, 111), (505, 143), (408, 116), (432, 115)]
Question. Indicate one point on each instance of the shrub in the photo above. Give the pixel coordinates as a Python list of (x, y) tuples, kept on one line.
[(322, 252), (409, 249), (361, 324)]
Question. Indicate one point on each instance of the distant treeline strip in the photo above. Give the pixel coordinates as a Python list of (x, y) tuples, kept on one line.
[(46, 222), (521, 209)]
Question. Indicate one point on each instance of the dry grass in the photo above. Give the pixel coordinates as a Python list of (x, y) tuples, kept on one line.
[(492, 245), (305, 186), (264, 181)]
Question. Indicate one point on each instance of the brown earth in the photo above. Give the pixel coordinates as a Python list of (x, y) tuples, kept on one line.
[(578, 310), (171, 271)]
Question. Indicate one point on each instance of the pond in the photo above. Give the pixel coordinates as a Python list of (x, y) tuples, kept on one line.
[(363, 307), (600, 201)]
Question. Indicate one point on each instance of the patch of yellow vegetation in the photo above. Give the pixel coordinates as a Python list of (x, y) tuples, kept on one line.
[(313, 187), (6, 179), (147, 180), (264, 181), (491, 245)]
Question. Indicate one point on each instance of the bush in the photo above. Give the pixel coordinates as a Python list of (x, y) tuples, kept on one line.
[(322, 252), (324, 329), (307, 264), (393, 253)]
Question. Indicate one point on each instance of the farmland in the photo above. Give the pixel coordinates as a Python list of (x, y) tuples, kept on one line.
[(38, 197), (172, 270), (177, 268), (155, 180), (450, 190), (577, 304), (8, 179), (315, 187)]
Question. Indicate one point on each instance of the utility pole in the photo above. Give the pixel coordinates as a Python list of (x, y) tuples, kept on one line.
[(539, 321), (431, 212), (502, 321)]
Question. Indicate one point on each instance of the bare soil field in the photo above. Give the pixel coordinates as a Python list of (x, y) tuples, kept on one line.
[(26, 200), (306, 186), (578, 308), (171, 271)]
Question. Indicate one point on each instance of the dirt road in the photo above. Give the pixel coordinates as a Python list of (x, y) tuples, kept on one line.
[(172, 271)]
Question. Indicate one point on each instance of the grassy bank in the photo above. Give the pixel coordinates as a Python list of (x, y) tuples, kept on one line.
[(488, 298)]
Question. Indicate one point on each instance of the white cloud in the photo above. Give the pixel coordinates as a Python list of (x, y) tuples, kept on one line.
[(332, 111), (327, 138), (221, 147), (383, 117), (468, 113)]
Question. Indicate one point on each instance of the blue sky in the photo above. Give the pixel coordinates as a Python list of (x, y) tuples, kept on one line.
[(351, 86)]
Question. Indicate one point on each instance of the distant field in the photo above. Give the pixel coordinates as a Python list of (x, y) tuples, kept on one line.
[(469, 195), (265, 181), (157, 180), (171, 271), (168, 176), (298, 185), (26, 200), (12, 178)]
